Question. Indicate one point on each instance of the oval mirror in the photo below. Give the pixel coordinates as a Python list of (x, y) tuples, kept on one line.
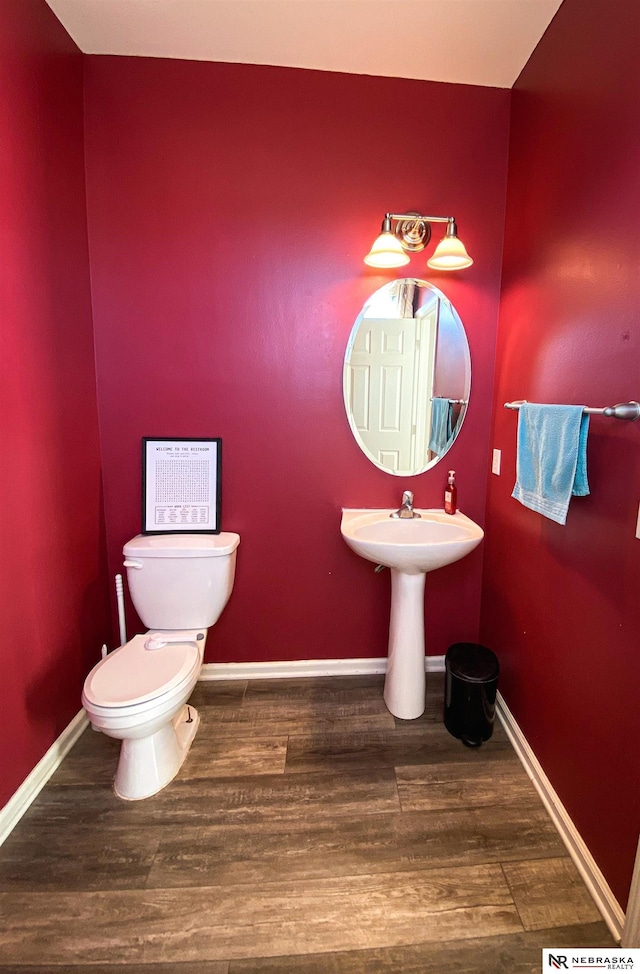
[(407, 377)]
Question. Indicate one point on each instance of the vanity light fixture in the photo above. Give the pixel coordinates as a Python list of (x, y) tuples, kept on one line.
[(411, 234)]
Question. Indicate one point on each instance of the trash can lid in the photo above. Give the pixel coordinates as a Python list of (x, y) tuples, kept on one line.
[(472, 662)]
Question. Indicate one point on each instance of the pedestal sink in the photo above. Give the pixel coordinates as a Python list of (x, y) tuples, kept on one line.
[(410, 547)]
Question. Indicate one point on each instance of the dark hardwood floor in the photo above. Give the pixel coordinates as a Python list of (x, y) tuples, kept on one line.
[(308, 831)]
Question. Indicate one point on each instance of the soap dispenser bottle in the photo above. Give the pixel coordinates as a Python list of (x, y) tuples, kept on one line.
[(451, 494)]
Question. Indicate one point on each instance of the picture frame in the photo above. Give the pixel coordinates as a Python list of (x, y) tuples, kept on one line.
[(181, 485)]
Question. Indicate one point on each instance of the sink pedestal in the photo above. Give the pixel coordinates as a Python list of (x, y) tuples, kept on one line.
[(405, 682)]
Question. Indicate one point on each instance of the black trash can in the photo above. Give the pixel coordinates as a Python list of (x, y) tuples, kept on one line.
[(471, 683)]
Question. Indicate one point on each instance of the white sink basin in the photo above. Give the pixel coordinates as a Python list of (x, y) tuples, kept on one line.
[(410, 545)]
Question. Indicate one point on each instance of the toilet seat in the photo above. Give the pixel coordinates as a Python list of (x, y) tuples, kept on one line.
[(134, 675)]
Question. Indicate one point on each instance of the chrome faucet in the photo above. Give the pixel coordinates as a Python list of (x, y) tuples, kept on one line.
[(406, 508)]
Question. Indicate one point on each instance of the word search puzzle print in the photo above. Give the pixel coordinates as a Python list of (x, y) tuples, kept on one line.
[(181, 485)]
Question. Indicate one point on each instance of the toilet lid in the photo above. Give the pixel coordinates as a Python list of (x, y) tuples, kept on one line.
[(133, 674)]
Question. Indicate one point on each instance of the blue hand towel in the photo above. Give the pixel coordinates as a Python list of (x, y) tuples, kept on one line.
[(551, 464), (440, 425)]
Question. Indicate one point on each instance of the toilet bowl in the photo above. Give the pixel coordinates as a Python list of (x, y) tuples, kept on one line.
[(139, 693)]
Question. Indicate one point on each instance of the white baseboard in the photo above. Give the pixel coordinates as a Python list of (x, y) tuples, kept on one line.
[(291, 669), (612, 912), (30, 788)]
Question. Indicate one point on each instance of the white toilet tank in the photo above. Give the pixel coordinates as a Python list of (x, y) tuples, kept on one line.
[(180, 581)]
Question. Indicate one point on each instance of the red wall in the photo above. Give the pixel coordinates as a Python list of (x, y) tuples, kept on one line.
[(560, 604), (52, 590), (230, 207)]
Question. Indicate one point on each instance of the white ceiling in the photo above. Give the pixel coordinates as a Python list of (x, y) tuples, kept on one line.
[(481, 42)]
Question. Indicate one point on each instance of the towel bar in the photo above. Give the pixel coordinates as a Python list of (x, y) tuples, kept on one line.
[(623, 410)]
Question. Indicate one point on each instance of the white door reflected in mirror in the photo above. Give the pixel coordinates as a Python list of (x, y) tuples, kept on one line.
[(406, 377)]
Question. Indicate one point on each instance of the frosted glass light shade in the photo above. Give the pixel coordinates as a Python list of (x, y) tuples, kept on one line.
[(450, 255), (386, 252)]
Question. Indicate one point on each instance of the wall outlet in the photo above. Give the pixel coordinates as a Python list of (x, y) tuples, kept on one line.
[(638, 524), (495, 465)]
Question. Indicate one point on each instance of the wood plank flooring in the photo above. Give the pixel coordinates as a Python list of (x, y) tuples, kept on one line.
[(308, 831)]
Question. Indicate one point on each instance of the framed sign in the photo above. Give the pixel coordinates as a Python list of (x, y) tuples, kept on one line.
[(181, 485)]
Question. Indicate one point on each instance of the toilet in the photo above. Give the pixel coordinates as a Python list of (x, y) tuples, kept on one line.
[(179, 585)]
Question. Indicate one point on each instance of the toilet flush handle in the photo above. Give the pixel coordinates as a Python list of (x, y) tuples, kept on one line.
[(133, 564)]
